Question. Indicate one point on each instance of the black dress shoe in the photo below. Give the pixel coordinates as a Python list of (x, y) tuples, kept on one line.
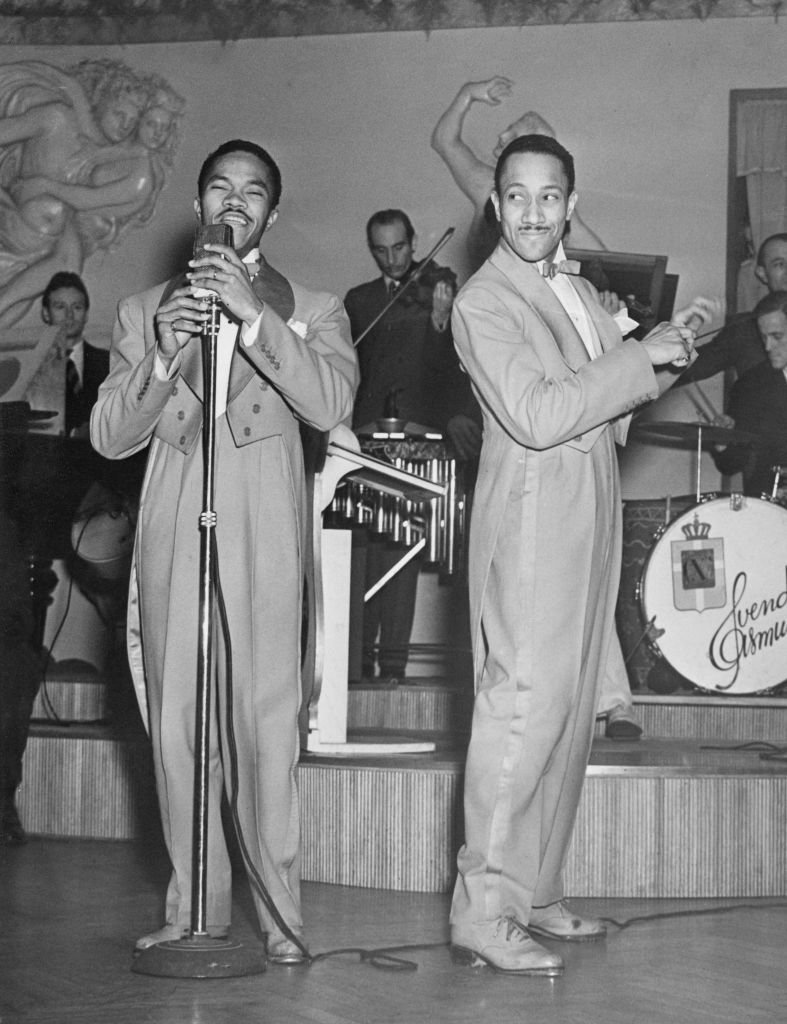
[(11, 831), (622, 723)]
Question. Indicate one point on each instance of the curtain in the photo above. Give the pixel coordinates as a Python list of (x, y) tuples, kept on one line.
[(762, 159)]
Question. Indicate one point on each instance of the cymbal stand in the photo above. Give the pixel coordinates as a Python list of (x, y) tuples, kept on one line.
[(699, 461)]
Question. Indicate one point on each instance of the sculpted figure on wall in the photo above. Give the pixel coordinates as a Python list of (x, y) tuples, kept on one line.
[(84, 154)]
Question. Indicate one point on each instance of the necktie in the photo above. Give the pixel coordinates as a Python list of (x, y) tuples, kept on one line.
[(252, 268), (73, 383), (549, 269), (393, 288)]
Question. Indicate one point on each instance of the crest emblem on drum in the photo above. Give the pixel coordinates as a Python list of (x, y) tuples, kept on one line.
[(698, 576)]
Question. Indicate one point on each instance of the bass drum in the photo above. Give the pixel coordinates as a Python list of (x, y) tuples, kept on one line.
[(715, 589)]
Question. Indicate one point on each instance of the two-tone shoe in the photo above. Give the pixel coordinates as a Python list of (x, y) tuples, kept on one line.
[(505, 946), (558, 921)]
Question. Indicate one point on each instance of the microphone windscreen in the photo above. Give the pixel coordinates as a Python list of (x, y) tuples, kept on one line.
[(220, 234)]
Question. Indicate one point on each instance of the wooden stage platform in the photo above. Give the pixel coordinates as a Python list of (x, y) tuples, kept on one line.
[(687, 811)]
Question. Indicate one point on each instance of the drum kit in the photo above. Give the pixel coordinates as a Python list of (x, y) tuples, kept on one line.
[(712, 590)]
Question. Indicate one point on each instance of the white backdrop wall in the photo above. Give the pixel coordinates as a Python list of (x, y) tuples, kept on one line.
[(643, 107)]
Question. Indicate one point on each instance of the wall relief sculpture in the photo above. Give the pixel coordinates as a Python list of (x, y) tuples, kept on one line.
[(84, 154)]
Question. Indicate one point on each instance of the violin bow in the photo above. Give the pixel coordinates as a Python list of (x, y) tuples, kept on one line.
[(410, 280)]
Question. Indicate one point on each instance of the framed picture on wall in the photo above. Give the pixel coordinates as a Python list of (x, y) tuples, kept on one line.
[(637, 279)]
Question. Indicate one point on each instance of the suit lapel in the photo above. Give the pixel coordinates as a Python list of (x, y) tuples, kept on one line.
[(275, 291), (534, 290)]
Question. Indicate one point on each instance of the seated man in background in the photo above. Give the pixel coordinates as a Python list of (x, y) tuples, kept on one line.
[(106, 492), (65, 304), (738, 345), (758, 404)]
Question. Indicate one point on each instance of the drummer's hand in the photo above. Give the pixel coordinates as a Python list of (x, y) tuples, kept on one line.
[(699, 312), (465, 436), (727, 423), (670, 343)]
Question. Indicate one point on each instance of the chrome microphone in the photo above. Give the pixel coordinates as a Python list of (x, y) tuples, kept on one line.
[(212, 234)]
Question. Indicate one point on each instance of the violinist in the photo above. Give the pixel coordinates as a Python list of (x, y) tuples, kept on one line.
[(409, 370)]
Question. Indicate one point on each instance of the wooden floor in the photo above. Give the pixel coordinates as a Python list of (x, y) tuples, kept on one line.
[(71, 910)]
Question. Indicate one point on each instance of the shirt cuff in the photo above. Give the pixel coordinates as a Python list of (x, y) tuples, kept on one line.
[(249, 335), (160, 371)]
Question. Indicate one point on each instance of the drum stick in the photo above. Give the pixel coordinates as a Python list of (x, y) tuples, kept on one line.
[(702, 403)]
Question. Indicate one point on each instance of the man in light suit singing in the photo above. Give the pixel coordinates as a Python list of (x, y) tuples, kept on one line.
[(284, 357), (555, 384)]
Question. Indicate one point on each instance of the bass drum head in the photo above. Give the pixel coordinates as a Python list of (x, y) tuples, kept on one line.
[(715, 586)]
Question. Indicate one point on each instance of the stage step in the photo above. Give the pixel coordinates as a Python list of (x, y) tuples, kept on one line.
[(437, 707), (74, 694), (84, 781), (658, 818), (71, 693)]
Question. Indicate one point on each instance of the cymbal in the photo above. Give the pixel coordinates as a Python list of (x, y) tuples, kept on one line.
[(688, 434)]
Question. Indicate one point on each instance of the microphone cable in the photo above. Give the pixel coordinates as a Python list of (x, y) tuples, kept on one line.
[(382, 958)]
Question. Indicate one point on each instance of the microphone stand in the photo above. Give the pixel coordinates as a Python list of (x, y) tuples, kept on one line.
[(197, 955)]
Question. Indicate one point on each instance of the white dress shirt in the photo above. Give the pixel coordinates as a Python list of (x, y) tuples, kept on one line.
[(567, 297)]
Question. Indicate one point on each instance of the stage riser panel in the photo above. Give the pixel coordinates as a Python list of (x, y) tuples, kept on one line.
[(398, 827), (87, 788), (410, 708), (683, 838), (733, 719), (71, 701), (378, 828), (442, 709)]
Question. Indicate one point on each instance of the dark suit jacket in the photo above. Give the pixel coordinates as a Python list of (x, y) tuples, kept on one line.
[(737, 347), (80, 403), (758, 404), (405, 353)]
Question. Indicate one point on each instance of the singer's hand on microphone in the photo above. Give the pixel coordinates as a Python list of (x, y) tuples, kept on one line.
[(222, 271), (178, 320)]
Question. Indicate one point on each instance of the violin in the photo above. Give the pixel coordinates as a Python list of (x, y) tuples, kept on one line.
[(424, 285), (417, 277)]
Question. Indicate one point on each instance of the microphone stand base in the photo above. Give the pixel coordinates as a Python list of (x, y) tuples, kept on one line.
[(199, 956)]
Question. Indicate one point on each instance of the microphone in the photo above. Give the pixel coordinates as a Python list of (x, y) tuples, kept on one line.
[(222, 234), (209, 234), (212, 234)]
